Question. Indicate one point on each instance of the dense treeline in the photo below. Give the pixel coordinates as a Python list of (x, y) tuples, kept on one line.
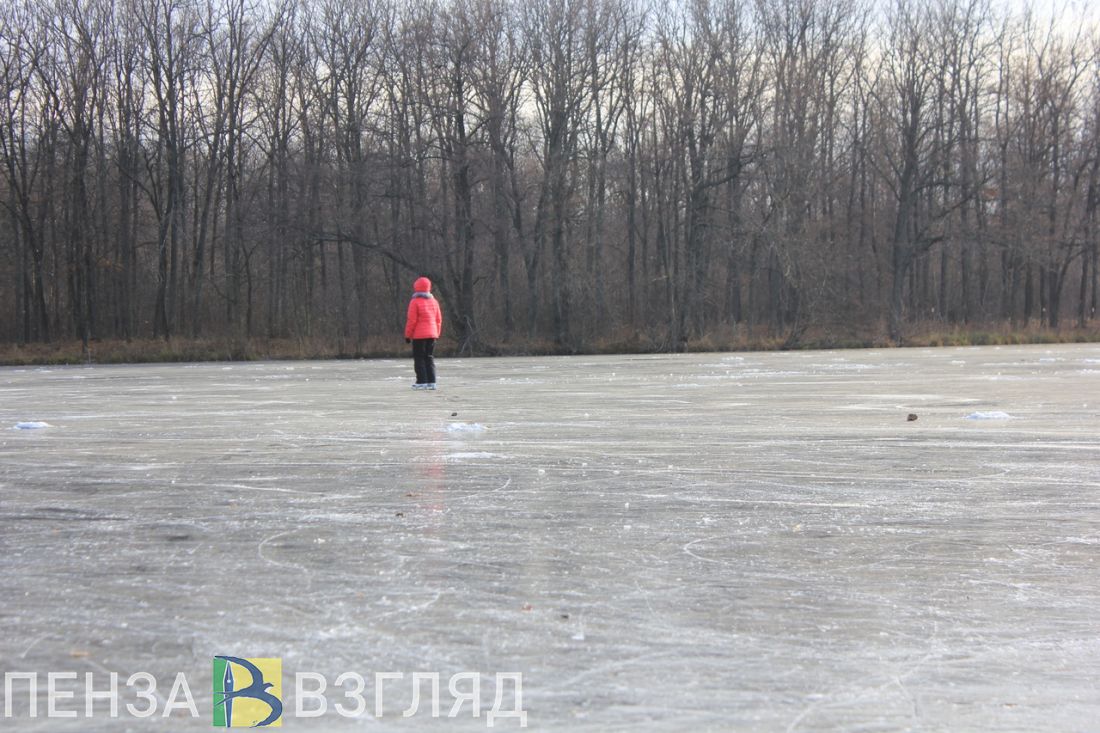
[(566, 171)]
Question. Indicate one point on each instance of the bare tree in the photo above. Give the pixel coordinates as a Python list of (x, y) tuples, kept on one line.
[(27, 129), (909, 147), (560, 85), (813, 50), (501, 69), (348, 46), (169, 27)]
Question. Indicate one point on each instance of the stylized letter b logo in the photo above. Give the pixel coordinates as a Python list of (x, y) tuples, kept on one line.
[(247, 692)]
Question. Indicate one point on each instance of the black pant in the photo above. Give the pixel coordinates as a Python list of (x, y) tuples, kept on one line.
[(423, 361)]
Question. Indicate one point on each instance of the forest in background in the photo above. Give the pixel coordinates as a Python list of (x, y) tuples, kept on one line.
[(571, 174)]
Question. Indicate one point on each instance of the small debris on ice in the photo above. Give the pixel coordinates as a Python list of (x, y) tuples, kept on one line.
[(996, 415), (912, 417), (31, 425)]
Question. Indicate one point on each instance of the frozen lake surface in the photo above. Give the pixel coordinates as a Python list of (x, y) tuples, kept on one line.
[(684, 543)]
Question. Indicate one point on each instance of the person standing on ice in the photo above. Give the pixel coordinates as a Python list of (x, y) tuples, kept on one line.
[(422, 327)]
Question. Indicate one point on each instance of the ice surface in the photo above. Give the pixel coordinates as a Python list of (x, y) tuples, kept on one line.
[(991, 415), (31, 425), (684, 543)]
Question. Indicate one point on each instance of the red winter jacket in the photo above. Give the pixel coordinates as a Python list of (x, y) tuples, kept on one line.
[(425, 320)]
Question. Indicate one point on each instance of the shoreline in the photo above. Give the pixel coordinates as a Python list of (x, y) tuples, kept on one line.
[(153, 351)]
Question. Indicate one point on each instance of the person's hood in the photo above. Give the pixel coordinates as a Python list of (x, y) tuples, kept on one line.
[(422, 285)]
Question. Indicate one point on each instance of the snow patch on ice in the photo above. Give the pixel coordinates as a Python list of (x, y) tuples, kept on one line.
[(766, 374), (994, 415), (335, 517), (468, 456), (462, 427), (31, 425), (906, 397), (1081, 541), (844, 367)]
